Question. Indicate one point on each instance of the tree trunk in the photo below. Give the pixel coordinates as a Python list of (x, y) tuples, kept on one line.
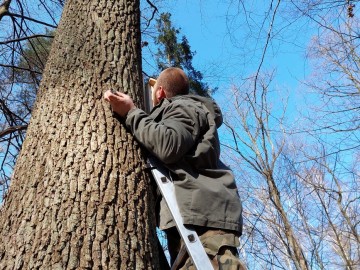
[(295, 250), (79, 197)]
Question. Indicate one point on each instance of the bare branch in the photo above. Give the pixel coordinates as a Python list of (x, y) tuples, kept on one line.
[(266, 46), (31, 19), (25, 38), (12, 130), (4, 8), (20, 68), (155, 9)]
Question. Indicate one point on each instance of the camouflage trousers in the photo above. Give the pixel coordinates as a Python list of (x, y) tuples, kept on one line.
[(221, 247)]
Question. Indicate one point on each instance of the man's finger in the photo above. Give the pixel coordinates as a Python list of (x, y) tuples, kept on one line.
[(106, 95), (120, 94), (116, 97)]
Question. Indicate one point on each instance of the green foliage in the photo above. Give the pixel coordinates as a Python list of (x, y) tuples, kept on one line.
[(172, 53)]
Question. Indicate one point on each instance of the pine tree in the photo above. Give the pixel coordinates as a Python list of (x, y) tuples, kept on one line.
[(172, 53)]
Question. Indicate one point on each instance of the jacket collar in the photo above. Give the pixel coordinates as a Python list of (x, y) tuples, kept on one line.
[(159, 108)]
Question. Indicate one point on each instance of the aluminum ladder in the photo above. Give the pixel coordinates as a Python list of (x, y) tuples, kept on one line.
[(191, 240)]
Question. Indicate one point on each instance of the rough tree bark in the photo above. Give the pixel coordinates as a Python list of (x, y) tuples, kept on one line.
[(79, 197)]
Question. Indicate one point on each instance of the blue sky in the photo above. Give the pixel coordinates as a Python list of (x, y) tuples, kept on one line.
[(227, 51), (208, 32)]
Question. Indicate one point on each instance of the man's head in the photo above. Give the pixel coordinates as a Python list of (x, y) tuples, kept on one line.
[(171, 82)]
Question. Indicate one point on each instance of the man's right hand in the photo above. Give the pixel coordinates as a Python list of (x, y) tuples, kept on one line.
[(119, 102)]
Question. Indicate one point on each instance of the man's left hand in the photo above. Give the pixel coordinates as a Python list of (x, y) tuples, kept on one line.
[(120, 102)]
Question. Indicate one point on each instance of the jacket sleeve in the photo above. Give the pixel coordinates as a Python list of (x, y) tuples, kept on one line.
[(172, 137)]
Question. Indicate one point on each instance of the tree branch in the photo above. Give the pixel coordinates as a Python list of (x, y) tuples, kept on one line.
[(25, 38), (4, 8), (265, 47), (12, 130), (154, 11), (15, 67), (30, 19)]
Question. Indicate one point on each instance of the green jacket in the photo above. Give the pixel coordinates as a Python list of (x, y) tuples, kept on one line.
[(182, 133)]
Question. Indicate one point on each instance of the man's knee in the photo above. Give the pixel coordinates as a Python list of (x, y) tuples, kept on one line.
[(228, 259)]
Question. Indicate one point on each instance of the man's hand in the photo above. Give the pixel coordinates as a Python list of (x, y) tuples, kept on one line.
[(120, 102)]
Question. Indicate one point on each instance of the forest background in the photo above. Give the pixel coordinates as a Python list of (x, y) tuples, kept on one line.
[(286, 75)]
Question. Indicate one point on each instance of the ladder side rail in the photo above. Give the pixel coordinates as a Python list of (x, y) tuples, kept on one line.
[(191, 240)]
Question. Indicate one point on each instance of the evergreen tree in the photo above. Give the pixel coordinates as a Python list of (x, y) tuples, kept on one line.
[(172, 53)]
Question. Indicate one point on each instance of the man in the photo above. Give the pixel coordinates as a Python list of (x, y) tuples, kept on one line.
[(181, 131)]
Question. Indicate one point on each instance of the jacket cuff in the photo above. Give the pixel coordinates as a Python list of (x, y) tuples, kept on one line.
[(131, 111), (130, 115)]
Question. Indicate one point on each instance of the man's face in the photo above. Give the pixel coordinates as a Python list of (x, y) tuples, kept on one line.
[(155, 94)]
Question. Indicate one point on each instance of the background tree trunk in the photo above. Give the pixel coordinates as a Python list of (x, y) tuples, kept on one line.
[(79, 196)]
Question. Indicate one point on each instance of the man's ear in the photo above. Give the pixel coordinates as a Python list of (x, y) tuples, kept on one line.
[(160, 94)]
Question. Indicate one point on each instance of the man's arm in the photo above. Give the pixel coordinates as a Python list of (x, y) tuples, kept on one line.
[(169, 139)]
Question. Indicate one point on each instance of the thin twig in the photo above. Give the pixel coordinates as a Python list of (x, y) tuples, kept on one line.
[(25, 38)]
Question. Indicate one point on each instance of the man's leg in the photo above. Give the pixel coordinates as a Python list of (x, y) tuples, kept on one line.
[(221, 249)]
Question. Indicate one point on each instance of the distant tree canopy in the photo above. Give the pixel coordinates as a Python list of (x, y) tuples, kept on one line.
[(31, 64), (172, 53), (34, 56)]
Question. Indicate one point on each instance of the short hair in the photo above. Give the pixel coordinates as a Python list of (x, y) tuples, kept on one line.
[(174, 81)]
